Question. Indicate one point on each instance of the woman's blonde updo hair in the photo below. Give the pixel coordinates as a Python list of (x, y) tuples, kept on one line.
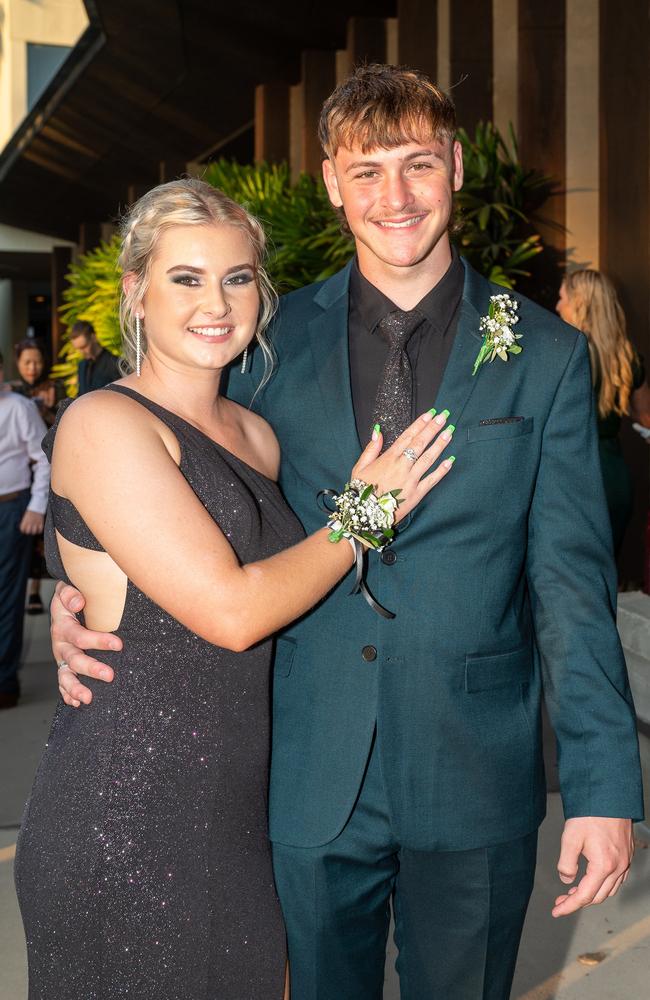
[(185, 202), (598, 313)]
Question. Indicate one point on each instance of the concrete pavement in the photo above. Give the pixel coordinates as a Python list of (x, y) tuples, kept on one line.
[(616, 934)]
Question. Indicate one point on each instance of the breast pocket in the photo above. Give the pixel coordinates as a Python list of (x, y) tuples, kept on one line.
[(488, 432)]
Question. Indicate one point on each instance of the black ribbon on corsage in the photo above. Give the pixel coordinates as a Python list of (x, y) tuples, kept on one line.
[(360, 561)]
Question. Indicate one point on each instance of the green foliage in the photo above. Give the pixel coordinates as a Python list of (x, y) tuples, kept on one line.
[(306, 243), (496, 206), (305, 239), (93, 294)]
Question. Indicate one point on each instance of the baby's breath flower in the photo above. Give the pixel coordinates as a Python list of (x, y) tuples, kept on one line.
[(498, 337)]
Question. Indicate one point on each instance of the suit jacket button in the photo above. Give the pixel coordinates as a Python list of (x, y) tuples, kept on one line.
[(388, 557), (369, 653)]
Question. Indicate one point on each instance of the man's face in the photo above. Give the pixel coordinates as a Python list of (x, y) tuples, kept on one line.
[(397, 202), (84, 344)]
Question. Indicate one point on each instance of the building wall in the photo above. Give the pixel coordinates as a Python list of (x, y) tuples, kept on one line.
[(45, 22)]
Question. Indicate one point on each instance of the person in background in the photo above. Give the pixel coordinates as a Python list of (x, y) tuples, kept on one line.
[(24, 484), (98, 366), (588, 301), (35, 383)]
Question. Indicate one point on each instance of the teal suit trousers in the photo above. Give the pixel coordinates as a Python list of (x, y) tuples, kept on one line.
[(458, 914)]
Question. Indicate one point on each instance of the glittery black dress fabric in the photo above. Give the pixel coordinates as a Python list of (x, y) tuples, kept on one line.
[(143, 868)]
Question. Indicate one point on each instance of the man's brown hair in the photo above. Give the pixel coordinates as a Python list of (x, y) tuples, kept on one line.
[(382, 106)]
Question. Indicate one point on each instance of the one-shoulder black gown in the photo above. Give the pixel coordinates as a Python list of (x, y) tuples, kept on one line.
[(143, 867)]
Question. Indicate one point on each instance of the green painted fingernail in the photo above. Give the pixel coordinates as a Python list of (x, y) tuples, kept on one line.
[(450, 428), (377, 428), (433, 411), (451, 459), (445, 414)]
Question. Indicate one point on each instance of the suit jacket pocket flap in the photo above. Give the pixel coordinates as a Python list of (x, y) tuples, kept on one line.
[(285, 650), (486, 432), (483, 673)]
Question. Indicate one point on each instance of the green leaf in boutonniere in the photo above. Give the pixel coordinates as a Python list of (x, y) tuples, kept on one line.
[(498, 337)]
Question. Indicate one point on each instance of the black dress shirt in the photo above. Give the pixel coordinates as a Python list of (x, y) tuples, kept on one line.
[(98, 373), (428, 347)]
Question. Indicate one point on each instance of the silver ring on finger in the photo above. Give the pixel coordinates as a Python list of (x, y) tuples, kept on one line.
[(411, 454), (62, 665)]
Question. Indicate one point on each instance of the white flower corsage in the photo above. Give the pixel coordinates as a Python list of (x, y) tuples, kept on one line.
[(498, 337), (361, 514)]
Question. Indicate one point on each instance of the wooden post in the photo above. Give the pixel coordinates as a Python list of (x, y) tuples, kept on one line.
[(625, 213), (90, 236), (470, 60), (271, 122), (61, 260), (417, 40), (542, 102), (366, 40), (318, 81)]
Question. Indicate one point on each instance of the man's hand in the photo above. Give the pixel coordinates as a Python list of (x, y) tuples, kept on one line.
[(608, 846), (31, 523), (69, 639)]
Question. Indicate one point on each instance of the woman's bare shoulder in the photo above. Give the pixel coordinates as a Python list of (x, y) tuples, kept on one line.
[(260, 438), (108, 423)]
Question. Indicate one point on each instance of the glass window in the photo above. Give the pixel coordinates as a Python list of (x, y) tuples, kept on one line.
[(43, 63)]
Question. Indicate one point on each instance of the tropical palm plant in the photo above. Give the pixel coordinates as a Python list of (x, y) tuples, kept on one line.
[(497, 205)]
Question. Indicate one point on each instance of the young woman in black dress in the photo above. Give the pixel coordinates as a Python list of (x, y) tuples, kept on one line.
[(144, 868), (588, 301)]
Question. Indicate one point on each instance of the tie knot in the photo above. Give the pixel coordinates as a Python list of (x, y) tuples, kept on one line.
[(398, 326)]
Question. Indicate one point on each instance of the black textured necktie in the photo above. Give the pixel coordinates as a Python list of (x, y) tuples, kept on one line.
[(394, 400)]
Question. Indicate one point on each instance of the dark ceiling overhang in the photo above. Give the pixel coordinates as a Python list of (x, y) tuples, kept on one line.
[(151, 82), (25, 266)]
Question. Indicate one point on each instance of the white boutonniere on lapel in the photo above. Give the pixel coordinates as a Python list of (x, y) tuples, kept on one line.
[(498, 337)]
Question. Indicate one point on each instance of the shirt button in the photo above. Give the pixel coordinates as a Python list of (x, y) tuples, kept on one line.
[(369, 653), (388, 557)]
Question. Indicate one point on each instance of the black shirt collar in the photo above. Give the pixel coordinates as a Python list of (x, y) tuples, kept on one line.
[(437, 306)]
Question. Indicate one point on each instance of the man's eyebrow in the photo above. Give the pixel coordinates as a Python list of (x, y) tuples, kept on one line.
[(377, 163), (201, 270)]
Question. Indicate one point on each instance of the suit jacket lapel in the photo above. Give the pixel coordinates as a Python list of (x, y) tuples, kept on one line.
[(328, 334), (458, 383)]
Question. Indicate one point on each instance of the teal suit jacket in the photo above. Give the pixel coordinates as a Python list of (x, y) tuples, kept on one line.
[(504, 581)]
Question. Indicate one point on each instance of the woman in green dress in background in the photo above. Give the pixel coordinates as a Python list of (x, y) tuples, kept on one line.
[(588, 301)]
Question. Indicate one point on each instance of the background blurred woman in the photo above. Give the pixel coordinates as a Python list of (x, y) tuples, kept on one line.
[(35, 383), (34, 380), (588, 301)]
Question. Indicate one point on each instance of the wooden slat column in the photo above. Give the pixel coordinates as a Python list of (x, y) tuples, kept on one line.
[(505, 52), (417, 43), (272, 122), (90, 236), (366, 42), (625, 211), (542, 100), (61, 260), (307, 97), (470, 57)]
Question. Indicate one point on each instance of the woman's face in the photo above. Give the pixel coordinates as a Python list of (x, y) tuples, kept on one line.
[(564, 306), (30, 364), (201, 307)]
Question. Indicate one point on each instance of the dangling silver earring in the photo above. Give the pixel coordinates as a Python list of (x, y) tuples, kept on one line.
[(244, 361), (138, 345)]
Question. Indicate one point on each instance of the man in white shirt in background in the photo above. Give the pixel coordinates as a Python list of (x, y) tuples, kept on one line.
[(24, 484)]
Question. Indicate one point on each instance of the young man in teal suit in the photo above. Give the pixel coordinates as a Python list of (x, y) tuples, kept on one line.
[(407, 761)]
